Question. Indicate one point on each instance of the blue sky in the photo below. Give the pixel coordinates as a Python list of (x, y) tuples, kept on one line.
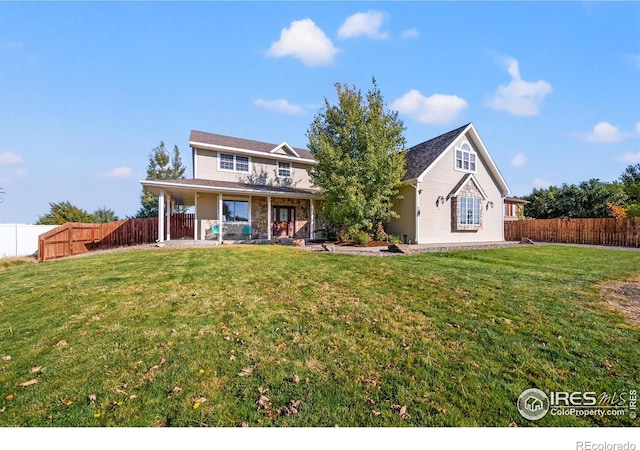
[(88, 89)]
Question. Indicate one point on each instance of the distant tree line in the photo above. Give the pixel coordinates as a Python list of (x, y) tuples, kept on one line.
[(588, 199)]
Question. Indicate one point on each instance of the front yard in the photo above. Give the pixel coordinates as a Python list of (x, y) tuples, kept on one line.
[(274, 336)]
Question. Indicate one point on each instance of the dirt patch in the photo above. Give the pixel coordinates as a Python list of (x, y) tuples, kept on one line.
[(624, 297)]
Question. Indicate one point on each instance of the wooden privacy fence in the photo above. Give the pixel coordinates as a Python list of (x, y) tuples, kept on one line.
[(624, 232), (76, 238)]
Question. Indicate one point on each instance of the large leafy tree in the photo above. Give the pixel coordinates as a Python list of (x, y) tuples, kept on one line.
[(359, 148), (63, 212), (162, 166)]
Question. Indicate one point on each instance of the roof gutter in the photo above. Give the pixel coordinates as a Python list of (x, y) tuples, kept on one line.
[(202, 145)]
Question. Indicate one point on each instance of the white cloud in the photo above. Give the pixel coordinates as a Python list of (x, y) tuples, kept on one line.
[(436, 109), (305, 41), (11, 45), (519, 160), (520, 97), (411, 33), (8, 158), (540, 183), (629, 157), (604, 132), (118, 172), (281, 105), (363, 24)]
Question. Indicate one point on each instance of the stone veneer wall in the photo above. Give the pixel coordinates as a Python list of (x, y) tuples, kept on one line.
[(259, 215)]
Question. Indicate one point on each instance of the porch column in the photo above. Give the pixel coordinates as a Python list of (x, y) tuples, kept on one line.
[(168, 217), (161, 216), (269, 218), (220, 218), (250, 224), (195, 217), (312, 220)]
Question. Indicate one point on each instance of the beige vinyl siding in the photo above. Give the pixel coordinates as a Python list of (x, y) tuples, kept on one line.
[(207, 212), (436, 220), (406, 208), (206, 167)]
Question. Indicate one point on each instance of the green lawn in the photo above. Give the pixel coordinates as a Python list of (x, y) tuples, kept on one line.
[(274, 336)]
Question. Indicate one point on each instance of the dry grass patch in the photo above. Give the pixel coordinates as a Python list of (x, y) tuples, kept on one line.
[(624, 297)]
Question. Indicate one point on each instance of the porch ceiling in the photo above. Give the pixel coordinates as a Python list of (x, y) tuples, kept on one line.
[(183, 190)]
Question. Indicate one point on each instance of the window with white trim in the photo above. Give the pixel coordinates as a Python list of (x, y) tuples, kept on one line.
[(468, 212), (233, 163), (284, 169), (465, 158)]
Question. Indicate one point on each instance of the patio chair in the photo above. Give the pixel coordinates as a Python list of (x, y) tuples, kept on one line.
[(246, 231), (215, 230)]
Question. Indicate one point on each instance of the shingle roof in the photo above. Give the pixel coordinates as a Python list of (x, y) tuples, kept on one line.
[(246, 144), (239, 185), (421, 156)]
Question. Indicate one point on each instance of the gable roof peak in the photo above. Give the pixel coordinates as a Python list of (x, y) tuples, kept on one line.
[(421, 156)]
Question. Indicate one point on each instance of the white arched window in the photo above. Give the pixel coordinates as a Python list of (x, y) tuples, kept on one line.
[(465, 158)]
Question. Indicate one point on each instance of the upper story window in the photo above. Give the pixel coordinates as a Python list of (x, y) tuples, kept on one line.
[(233, 163), (465, 158), (284, 169)]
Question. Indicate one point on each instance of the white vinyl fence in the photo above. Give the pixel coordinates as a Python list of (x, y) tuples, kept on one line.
[(17, 239)]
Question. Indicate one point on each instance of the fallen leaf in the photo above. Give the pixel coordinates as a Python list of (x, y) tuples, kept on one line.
[(295, 379), (61, 343), (441, 410), (292, 408), (244, 425), (200, 400), (403, 413), (246, 372), (35, 369), (176, 389), (92, 398), (232, 358), (375, 413), (29, 383), (132, 397), (2, 409), (227, 338), (10, 397), (263, 390), (263, 403), (6, 358), (512, 424)]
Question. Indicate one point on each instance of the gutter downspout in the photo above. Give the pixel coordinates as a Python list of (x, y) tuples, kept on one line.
[(416, 186)]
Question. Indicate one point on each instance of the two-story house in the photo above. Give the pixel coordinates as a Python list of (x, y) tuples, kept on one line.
[(244, 189)]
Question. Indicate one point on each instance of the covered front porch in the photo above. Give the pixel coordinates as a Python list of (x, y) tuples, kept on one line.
[(238, 212)]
